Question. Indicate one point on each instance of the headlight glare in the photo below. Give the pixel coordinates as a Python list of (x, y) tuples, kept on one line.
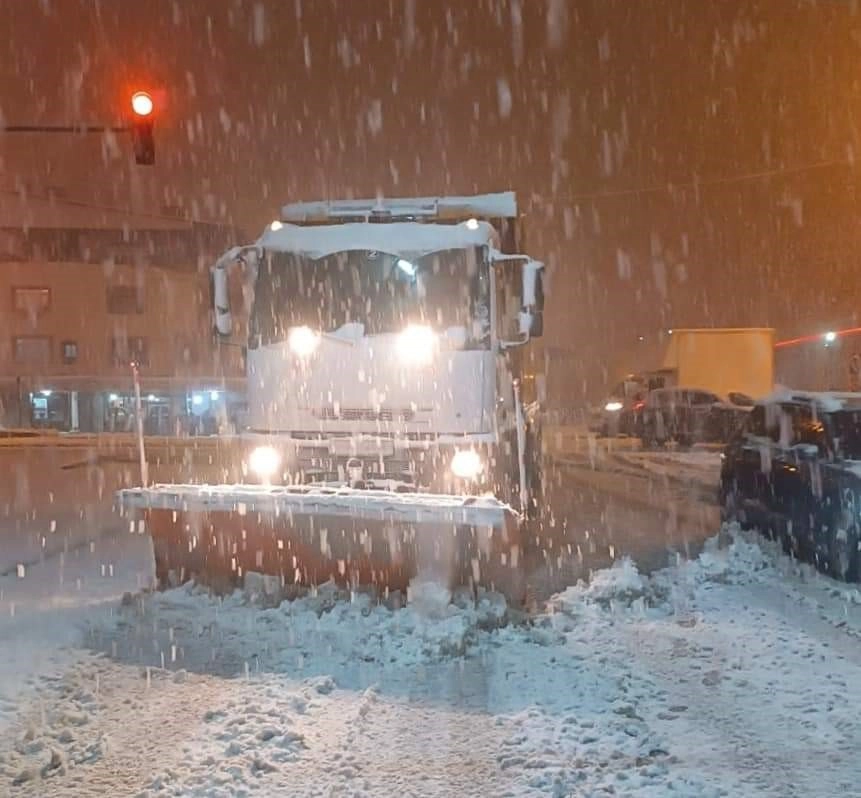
[(264, 461), (613, 407), (417, 344), (467, 464), (302, 341)]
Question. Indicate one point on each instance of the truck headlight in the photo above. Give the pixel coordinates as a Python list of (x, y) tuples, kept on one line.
[(264, 461), (613, 407), (302, 341), (467, 464), (416, 344)]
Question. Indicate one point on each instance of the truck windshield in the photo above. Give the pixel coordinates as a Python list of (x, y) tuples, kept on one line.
[(384, 292)]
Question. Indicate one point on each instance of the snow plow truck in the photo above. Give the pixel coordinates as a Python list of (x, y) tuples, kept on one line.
[(393, 383)]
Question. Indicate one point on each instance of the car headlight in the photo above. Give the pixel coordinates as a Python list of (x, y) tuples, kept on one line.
[(417, 344), (302, 341), (467, 464), (613, 407), (264, 461)]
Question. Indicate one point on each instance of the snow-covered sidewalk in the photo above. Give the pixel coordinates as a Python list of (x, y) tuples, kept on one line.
[(738, 674)]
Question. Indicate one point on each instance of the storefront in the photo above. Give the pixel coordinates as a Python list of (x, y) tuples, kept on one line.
[(168, 407)]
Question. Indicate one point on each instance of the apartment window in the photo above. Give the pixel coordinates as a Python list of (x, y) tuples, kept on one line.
[(123, 299), (69, 350), (34, 349), (55, 245), (32, 301), (124, 350)]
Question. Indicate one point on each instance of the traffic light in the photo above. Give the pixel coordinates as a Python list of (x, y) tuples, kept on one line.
[(142, 121)]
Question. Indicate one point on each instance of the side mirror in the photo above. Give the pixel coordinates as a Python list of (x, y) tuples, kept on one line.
[(533, 297), (524, 289), (525, 321), (531, 323), (220, 289)]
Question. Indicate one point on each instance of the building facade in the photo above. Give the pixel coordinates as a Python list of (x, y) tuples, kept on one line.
[(80, 304)]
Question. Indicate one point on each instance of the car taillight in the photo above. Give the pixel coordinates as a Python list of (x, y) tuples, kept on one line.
[(639, 405)]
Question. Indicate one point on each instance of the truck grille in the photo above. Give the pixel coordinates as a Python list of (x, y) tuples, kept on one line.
[(319, 465), (363, 414)]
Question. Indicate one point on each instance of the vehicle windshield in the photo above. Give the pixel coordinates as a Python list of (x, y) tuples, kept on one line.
[(846, 426), (382, 291)]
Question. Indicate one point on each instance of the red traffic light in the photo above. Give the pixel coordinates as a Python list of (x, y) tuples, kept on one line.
[(141, 127), (142, 103)]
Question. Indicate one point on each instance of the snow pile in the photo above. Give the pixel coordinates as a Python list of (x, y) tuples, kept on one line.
[(741, 562), (620, 587), (434, 625), (187, 628), (621, 583), (623, 588), (430, 599)]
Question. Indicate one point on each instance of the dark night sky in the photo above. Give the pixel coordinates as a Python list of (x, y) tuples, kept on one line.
[(565, 101)]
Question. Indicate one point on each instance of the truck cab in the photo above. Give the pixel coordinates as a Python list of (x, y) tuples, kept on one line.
[(391, 345)]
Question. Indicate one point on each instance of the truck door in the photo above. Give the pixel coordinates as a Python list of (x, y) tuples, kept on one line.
[(507, 287)]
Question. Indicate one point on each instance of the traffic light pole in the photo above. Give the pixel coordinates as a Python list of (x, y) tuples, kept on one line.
[(144, 147), (62, 129), (140, 128)]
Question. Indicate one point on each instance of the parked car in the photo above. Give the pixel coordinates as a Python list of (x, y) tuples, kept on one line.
[(686, 416), (794, 470), (620, 414)]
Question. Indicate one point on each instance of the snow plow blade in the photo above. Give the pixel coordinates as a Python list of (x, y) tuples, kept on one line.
[(306, 536)]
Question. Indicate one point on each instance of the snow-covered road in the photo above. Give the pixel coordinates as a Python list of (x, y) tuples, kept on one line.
[(738, 674)]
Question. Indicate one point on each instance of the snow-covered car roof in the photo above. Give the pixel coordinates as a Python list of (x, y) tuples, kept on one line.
[(488, 206), (734, 399), (827, 401), (408, 239)]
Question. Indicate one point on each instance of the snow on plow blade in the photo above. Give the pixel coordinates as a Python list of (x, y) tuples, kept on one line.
[(309, 535)]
